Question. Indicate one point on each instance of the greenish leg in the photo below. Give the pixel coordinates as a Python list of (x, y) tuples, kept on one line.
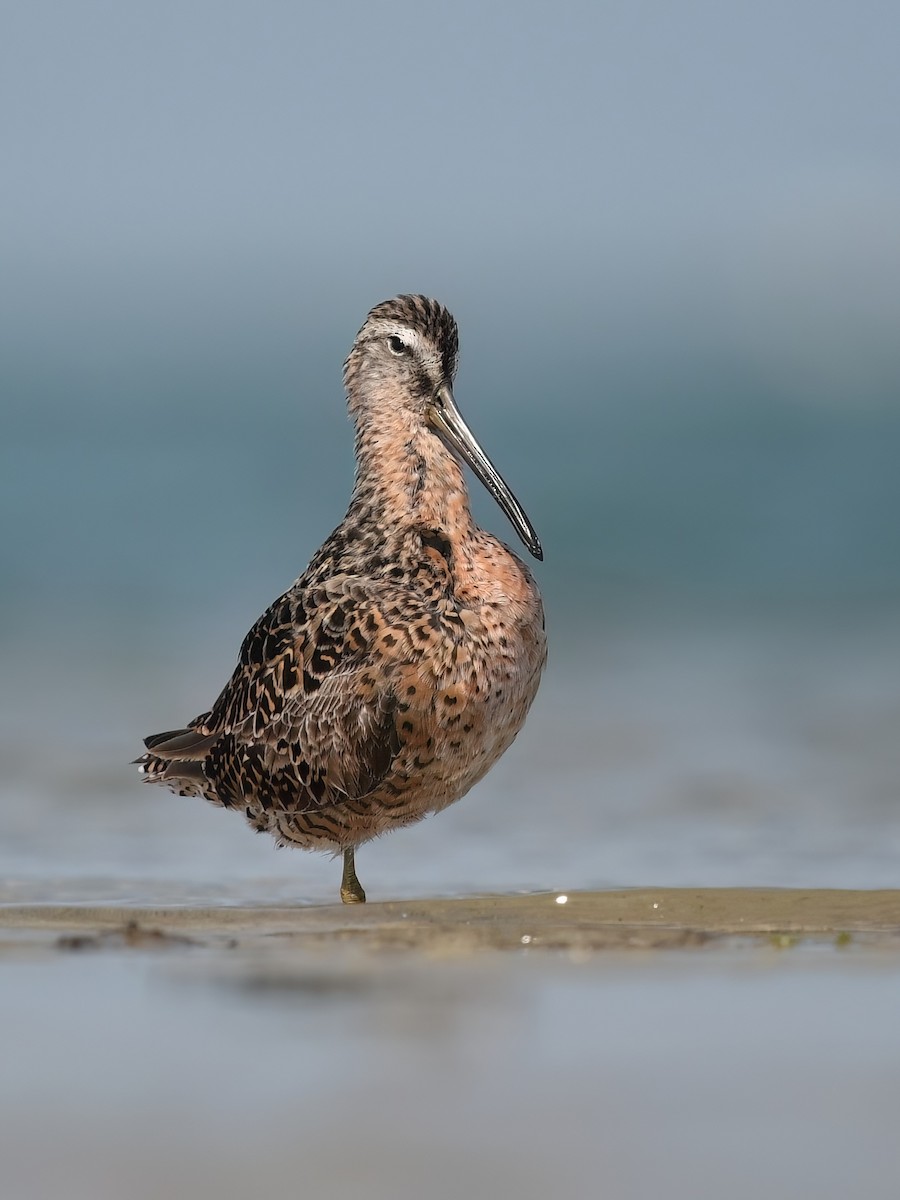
[(351, 888)]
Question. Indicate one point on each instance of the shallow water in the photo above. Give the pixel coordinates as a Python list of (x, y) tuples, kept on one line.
[(750, 756), (721, 583)]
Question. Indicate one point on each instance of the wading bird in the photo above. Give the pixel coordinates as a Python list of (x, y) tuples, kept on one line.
[(402, 663)]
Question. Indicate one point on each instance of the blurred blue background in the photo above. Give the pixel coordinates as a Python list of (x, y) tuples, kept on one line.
[(670, 236)]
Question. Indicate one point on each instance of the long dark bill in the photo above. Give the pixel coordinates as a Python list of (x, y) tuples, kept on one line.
[(447, 420)]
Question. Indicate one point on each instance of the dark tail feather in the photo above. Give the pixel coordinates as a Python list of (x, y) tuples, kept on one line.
[(183, 744), (189, 772)]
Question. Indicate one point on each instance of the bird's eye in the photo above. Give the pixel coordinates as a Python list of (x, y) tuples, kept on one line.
[(397, 345)]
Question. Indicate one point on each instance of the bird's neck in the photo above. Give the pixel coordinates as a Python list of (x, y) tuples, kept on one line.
[(405, 475)]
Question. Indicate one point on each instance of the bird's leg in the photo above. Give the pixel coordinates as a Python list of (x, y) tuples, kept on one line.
[(351, 888)]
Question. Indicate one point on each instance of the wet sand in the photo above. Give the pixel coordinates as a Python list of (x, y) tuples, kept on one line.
[(583, 921)]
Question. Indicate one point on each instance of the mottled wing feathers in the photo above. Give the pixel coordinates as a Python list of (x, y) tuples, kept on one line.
[(303, 721)]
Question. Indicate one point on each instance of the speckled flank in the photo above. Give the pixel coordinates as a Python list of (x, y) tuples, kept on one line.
[(400, 666)]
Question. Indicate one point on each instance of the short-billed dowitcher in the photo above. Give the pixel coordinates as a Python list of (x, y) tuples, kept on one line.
[(398, 668)]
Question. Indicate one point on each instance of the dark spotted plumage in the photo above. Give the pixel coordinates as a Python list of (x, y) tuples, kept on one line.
[(397, 669)]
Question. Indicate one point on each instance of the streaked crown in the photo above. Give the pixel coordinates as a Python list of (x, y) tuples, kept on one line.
[(413, 326)]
